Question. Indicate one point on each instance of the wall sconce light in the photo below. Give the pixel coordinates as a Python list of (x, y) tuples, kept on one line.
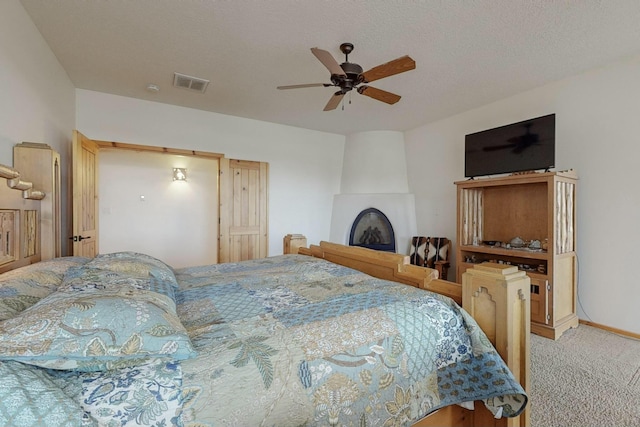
[(179, 174)]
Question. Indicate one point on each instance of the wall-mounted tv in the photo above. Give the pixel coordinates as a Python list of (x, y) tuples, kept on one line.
[(524, 146)]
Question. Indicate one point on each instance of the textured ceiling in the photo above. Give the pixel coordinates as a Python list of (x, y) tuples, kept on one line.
[(468, 53)]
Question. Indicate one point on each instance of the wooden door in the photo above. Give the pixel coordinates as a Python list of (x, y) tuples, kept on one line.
[(243, 210), (85, 195)]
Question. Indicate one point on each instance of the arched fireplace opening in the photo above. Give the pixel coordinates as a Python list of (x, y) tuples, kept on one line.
[(372, 229)]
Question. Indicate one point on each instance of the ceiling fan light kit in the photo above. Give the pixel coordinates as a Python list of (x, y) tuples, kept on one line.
[(348, 76)]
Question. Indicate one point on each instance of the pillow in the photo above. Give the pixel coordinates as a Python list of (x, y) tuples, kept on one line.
[(23, 287), (135, 264), (151, 394), (28, 397), (83, 278), (98, 320)]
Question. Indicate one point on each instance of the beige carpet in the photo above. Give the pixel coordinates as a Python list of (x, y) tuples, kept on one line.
[(588, 377)]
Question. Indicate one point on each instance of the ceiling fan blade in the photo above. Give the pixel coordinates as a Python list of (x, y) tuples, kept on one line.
[(334, 101), (328, 61), (304, 85), (379, 94), (397, 66)]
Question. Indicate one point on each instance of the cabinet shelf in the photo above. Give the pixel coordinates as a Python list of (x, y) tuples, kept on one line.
[(513, 252)]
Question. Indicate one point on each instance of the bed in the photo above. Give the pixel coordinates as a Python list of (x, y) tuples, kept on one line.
[(334, 335)]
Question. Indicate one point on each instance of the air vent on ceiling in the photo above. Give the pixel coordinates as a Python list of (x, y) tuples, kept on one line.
[(189, 82)]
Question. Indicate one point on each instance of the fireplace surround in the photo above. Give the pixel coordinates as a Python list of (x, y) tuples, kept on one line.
[(363, 186)]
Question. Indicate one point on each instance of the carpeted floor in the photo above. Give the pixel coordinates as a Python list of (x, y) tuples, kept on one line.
[(588, 377)]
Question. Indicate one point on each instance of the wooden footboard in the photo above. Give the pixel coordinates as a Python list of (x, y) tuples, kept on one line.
[(497, 298), (385, 265)]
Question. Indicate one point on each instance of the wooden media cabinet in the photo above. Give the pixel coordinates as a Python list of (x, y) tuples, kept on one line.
[(540, 210)]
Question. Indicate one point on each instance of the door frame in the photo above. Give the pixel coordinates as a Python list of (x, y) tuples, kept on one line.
[(172, 151), (222, 179)]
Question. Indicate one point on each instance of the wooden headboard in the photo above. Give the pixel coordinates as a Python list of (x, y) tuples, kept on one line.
[(19, 220)]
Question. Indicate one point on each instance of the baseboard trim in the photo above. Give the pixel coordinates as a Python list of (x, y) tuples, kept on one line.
[(610, 329)]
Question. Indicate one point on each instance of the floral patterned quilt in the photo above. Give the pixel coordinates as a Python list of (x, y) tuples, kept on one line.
[(293, 340), (288, 340)]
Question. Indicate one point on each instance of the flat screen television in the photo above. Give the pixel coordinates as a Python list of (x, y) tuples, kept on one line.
[(524, 146)]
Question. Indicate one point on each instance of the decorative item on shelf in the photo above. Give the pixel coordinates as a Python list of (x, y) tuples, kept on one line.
[(516, 242), (535, 244), (471, 259), (545, 244)]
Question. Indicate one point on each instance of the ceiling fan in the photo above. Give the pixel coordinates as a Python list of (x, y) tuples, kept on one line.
[(348, 76)]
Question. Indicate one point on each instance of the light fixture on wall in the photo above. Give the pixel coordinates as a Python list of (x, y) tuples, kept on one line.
[(179, 174)]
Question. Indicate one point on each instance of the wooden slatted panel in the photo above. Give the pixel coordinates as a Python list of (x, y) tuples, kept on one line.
[(472, 215), (8, 244), (565, 192), (19, 226), (30, 233)]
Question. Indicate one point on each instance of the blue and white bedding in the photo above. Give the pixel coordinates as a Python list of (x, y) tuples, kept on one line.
[(123, 339)]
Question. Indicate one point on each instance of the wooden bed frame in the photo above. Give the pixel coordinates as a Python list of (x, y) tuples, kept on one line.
[(19, 220), (497, 296)]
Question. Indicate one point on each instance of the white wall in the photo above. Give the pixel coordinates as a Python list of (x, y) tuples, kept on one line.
[(304, 165), (597, 134), (142, 209), (374, 162), (37, 99)]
